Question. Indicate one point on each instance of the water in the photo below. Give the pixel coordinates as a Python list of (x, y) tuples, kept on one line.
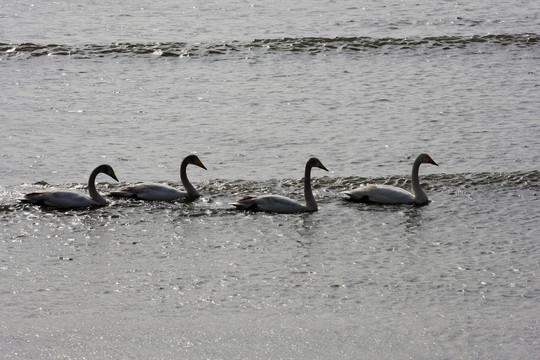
[(255, 90)]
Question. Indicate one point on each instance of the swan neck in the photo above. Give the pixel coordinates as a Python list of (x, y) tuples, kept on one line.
[(92, 188), (311, 204), (419, 194), (190, 189)]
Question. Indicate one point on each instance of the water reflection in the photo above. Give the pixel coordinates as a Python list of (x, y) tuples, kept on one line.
[(306, 226), (413, 219)]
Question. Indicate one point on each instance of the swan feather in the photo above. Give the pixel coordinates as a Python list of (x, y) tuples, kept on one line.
[(71, 200), (385, 194), (270, 203), (59, 199), (388, 194), (149, 191), (158, 192), (282, 204)]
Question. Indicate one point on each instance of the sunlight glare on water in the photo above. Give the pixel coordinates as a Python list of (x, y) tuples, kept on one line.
[(255, 90)]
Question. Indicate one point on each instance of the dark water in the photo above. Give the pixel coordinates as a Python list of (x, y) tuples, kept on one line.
[(255, 90), (261, 47)]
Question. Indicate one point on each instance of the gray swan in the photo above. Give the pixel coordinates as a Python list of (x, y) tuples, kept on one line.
[(72, 200), (281, 204), (158, 192), (388, 194)]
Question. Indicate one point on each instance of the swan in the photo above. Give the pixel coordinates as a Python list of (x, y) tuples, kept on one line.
[(157, 192), (72, 200), (281, 204), (388, 194)]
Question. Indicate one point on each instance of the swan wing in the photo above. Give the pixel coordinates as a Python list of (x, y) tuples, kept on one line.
[(382, 194), (270, 203), (60, 199), (150, 191)]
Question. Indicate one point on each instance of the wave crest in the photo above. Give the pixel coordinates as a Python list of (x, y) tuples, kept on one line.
[(309, 45)]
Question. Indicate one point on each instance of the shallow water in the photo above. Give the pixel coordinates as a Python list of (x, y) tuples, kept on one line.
[(201, 279), (255, 91)]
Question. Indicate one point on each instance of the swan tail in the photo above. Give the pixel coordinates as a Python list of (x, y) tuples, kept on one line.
[(123, 194), (252, 207), (36, 198), (246, 203), (355, 197)]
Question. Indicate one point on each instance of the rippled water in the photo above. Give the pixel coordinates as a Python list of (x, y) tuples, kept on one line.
[(255, 90), (258, 47)]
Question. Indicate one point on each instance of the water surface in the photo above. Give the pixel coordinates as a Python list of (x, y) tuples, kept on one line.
[(255, 90)]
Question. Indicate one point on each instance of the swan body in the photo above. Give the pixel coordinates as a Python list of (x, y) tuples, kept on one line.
[(282, 204), (270, 203), (69, 199), (388, 194), (158, 192)]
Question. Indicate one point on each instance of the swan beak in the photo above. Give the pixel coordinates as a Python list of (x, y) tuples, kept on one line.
[(322, 166), (199, 163), (432, 162), (113, 175)]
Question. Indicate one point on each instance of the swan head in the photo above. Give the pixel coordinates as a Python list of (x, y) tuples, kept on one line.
[(426, 159), (194, 159), (107, 169), (314, 162)]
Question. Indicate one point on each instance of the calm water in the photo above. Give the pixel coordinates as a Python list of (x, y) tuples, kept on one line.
[(255, 90)]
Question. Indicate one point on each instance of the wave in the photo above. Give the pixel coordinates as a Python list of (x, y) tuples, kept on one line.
[(308, 45), (217, 193), (524, 180), (521, 180)]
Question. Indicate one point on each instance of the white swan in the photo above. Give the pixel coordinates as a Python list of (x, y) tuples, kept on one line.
[(387, 194), (72, 200), (157, 192), (281, 204)]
